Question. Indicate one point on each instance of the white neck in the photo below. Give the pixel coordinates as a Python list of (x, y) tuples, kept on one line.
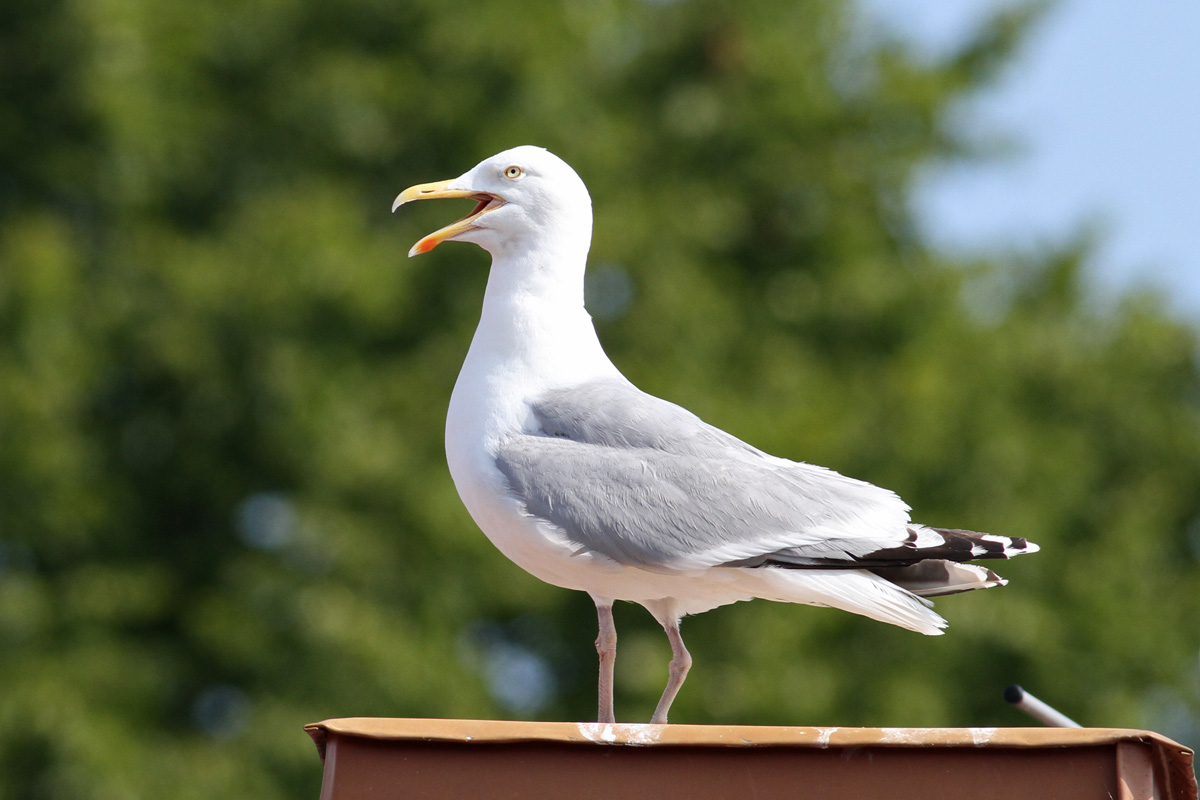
[(534, 334), (534, 323)]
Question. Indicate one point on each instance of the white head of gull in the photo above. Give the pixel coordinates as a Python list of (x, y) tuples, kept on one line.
[(588, 483)]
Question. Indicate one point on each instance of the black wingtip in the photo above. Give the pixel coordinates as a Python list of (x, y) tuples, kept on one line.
[(1014, 694)]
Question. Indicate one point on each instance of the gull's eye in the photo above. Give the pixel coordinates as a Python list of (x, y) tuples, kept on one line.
[(513, 172)]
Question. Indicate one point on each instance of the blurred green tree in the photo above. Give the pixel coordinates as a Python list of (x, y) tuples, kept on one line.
[(224, 510)]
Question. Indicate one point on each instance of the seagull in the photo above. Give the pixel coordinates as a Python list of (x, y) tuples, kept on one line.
[(588, 483)]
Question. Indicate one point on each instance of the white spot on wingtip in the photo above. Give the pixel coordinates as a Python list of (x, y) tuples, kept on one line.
[(928, 538)]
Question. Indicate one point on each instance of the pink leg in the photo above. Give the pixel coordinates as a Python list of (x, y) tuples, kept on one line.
[(681, 662), (606, 647)]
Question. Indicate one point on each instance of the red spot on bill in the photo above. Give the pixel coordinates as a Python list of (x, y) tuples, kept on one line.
[(426, 244)]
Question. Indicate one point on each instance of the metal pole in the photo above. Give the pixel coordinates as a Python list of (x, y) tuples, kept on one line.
[(1037, 709)]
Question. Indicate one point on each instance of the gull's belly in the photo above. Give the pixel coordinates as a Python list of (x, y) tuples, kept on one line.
[(481, 488)]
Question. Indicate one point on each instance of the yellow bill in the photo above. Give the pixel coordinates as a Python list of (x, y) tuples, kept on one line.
[(440, 190)]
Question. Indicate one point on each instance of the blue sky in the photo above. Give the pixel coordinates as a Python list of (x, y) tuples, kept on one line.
[(1104, 103)]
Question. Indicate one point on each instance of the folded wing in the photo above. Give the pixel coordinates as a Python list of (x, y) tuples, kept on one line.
[(648, 484)]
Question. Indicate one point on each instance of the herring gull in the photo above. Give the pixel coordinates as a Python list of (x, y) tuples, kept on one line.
[(589, 483)]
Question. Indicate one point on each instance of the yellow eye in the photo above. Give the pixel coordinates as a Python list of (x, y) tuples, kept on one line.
[(513, 172)]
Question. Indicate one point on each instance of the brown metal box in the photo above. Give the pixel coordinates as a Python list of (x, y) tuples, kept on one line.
[(370, 758)]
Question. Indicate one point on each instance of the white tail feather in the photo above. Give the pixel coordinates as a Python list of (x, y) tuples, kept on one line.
[(855, 591)]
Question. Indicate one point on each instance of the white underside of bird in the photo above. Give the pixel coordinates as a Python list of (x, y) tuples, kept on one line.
[(590, 484)]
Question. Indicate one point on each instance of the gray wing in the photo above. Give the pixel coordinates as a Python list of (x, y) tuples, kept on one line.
[(647, 483)]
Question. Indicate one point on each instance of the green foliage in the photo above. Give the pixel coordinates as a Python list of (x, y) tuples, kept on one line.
[(224, 510)]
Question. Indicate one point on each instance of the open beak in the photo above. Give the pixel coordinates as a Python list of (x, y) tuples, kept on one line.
[(438, 190)]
